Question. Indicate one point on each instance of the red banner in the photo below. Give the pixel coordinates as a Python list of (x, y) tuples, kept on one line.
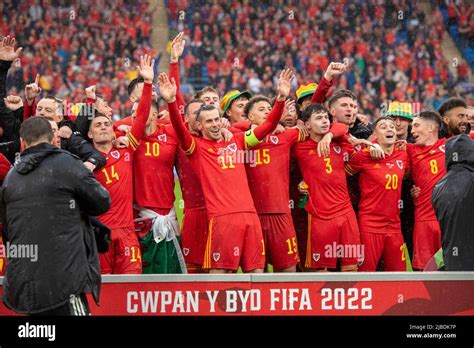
[(398, 297)]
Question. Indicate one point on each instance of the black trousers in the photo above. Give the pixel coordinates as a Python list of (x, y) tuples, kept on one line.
[(77, 306)]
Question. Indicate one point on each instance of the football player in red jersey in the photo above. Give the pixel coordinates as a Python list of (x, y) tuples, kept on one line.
[(268, 176), (379, 207), (235, 236), (427, 163), (124, 253), (332, 224), (194, 224)]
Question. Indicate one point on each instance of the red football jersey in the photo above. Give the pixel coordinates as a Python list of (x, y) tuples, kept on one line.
[(153, 169), (268, 172), (220, 165), (116, 177), (381, 187), (428, 167), (191, 189), (325, 177)]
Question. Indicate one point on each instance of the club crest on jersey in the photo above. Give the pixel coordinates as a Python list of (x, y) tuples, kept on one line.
[(274, 139), (186, 251), (216, 256), (115, 154), (399, 164), (337, 149), (232, 147), (162, 137), (316, 257), (443, 148)]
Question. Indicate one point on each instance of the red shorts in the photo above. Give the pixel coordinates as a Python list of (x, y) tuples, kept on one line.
[(330, 240), (235, 240), (279, 234), (194, 235), (426, 242), (124, 255), (386, 246)]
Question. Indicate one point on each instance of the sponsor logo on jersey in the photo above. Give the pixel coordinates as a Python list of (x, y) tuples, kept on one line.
[(377, 166), (274, 139), (162, 137), (443, 148), (216, 256), (232, 147), (312, 152), (115, 154), (432, 151), (337, 149), (211, 150), (186, 251), (390, 165), (316, 257), (399, 164)]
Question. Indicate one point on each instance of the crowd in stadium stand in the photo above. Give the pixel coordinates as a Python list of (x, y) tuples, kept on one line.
[(74, 44), (392, 50), (459, 19)]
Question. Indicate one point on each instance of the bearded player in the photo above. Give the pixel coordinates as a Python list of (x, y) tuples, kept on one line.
[(235, 237)]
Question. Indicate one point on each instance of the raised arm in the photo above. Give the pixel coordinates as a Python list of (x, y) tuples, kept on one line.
[(7, 56), (275, 115), (177, 48), (326, 82), (87, 112), (144, 105), (32, 91), (168, 92)]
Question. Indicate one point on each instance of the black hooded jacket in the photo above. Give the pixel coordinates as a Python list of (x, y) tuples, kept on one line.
[(46, 199), (453, 202)]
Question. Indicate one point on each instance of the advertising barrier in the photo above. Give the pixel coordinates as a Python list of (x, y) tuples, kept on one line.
[(296, 294)]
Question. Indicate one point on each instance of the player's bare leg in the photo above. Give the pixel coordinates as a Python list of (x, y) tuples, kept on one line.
[(258, 270), (219, 271), (349, 268), (285, 270), (322, 269)]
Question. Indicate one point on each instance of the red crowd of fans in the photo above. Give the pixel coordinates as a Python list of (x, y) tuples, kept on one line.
[(75, 44), (393, 49)]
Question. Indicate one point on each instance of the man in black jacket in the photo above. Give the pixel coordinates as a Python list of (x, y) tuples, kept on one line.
[(453, 199), (46, 200)]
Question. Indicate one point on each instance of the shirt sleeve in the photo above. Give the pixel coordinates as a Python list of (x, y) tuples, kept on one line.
[(321, 91), (185, 139), (355, 164), (143, 111), (259, 133), (339, 130), (174, 73)]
